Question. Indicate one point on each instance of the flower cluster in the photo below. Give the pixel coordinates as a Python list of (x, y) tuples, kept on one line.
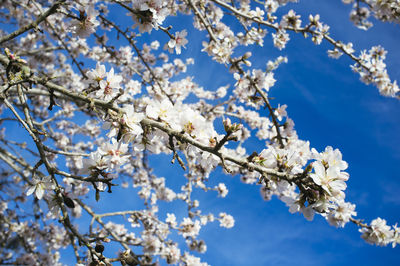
[(91, 130), (109, 156), (107, 83), (379, 233), (324, 191), (372, 69), (384, 10)]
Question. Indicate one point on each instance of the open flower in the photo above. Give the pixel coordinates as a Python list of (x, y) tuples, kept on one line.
[(226, 220), (379, 233), (342, 214), (108, 88), (179, 41), (39, 185), (188, 228), (160, 110), (97, 74), (132, 122), (94, 162), (114, 153), (328, 179), (87, 22)]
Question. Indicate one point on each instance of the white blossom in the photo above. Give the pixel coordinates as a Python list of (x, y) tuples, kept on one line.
[(39, 186), (226, 220), (378, 233), (178, 41), (87, 23)]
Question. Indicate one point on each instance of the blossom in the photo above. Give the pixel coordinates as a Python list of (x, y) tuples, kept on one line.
[(178, 42), (396, 236), (335, 53), (192, 260), (171, 219), (173, 254), (222, 190), (131, 120), (280, 112), (328, 179), (3, 207), (108, 88), (342, 214), (149, 14), (108, 83), (97, 74), (226, 220), (151, 244), (189, 228), (280, 38), (308, 212), (39, 185), (373, 70), (95, 161), (258, 13), (114, 153), (291, 20), (87, 23), (378, 233), (160, 110), (332, 159), (289, 159), (263, 80)]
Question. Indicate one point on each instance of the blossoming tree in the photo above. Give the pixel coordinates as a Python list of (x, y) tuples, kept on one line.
[(95, 98)]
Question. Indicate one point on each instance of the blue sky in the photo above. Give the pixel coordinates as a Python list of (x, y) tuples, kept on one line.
[(330, 107)]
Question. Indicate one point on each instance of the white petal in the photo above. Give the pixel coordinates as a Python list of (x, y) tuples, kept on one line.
[(30, 190), (39, 192)]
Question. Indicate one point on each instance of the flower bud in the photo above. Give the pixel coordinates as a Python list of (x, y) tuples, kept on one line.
[(247, 55)]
